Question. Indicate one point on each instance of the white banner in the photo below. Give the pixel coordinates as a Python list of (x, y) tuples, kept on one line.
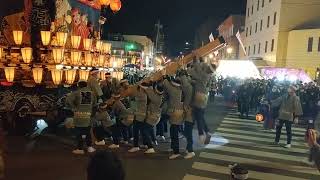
[(238, 35)]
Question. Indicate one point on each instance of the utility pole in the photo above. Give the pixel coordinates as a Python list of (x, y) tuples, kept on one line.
[(158, 27)]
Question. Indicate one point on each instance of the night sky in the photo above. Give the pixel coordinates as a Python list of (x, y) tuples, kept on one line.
[(179, 17)]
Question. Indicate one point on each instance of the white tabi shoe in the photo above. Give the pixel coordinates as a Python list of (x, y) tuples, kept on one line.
[(114, 146), (150, 151), (134, 149), (190, 155), (100, 143), (174, 156), (91, 149), (78, 151), (288, 146)]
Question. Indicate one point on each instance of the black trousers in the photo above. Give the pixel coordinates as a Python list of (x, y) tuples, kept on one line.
[(123, 130), (101, 133), (288, 129), (115, 133), (147, 134), (188, 127), (162, 126), (137, 131), (244, 108), (174, 133), (81, 134), (198, 117)]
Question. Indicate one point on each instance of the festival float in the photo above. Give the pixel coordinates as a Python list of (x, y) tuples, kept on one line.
[(44, 50)]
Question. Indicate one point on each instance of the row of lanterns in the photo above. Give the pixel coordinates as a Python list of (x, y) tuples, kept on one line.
[(56, 74)]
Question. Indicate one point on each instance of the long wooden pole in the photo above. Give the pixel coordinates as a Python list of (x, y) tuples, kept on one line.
[(171, 68)]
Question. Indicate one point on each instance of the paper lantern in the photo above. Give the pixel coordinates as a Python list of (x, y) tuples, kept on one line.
[(115, 5), (75, 57), (259, 118), (102, 74), (70, 76), (75, 41), (83, 75), (61, 38), (99, 45), (9, 72), (87, 44), (1, 52), (26, 54), (105, 2), (45, 37), (18, 36), (88, 59), (58, 55), (117, 74), (106, 47), (56, 75), (101, 60), (37, 75)]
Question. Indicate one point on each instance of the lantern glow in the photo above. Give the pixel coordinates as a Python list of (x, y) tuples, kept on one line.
[(75, 41), (9, 72), (45, 37), (259, 118), (18, 36), (83, 75), (101, 61), (99, 45), (88, 59), (106, 47), (115, 5), (26, 54), (1, 52), (117, 74), (37, 75), (56, 75), (105, 2), (61, 38), (70, 76), (87, 43), (75, 57), (58, 55)]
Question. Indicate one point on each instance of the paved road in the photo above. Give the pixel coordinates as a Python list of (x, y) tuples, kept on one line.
[(244, 141), (235, 140)]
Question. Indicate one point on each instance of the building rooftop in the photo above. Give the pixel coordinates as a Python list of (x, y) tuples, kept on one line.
[(314, 24)]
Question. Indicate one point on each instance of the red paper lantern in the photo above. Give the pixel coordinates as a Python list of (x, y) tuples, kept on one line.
[(105, 2), (115, 5), (259, 118)]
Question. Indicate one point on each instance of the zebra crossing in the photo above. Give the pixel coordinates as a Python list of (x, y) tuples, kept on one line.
[(244, 141)]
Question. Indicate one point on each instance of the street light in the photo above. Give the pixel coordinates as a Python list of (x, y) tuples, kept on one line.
[(210, 56)]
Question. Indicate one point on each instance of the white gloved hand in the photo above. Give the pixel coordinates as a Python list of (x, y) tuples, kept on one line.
[(296, 120), (100, 100)]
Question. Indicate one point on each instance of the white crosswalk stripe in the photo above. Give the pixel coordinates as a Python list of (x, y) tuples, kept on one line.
[(243, 141)]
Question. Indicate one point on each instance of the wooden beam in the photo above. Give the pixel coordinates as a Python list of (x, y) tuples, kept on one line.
[(172, 68)]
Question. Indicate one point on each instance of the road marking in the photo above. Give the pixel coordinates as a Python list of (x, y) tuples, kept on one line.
[(260, 163), (260, 145), (257, 153), (233, 126), (244, 132), (252, 174), (228, 119), (193, 177), (260, 139)]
